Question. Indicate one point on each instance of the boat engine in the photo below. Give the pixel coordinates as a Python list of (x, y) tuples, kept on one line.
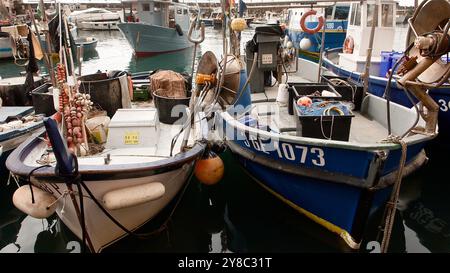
[(274, 56)]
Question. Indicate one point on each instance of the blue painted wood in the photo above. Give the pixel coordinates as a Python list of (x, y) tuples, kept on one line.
[(377, 86)]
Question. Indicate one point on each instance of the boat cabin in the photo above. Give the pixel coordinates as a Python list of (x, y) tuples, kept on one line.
[(336, 17), (358, 34), (161, 13)]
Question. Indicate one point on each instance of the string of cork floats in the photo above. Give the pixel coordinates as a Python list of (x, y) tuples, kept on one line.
[(74, 107)]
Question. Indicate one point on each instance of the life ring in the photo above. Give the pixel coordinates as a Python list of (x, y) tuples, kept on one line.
[(308, 30), (349, 44)]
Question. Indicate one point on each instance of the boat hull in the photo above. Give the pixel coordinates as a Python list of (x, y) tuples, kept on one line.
[(377, 86), (337, 184), (101, 230), (5, 48), (150, 40)]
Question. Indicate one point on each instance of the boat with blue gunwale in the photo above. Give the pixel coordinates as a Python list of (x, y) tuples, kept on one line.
[(345, 161), (336, 21), (351, 65), (338, 184)]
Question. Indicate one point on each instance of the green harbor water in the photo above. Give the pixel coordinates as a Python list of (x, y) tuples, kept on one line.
[(236, 215)]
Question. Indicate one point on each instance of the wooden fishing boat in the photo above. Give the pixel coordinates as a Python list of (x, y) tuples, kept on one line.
[(338, 184), (116, 171), (349, 62), (333, 158)]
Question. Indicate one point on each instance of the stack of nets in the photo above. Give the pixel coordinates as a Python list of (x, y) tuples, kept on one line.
[(168, 83)]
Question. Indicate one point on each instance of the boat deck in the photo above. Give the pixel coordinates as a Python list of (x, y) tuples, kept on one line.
[(363, 129)]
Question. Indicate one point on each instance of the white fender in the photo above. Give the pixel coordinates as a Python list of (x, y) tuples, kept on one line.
[(42, 199), (283, 94), (305, 44), (132, 196)]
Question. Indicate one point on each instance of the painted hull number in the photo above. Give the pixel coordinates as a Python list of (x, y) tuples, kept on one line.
[(288, 151)]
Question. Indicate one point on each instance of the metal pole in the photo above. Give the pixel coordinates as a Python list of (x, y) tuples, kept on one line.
[(366, 73), (322, 44)]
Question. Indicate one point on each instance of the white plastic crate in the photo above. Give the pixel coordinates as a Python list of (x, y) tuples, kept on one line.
[(133, 128)]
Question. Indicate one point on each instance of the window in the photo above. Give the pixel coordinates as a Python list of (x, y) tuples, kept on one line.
[(371, 12), (179, 11), (341, 12), (329, 13), (356, 14), (146, 7), (185, 11), (387, 15), (157, 7)]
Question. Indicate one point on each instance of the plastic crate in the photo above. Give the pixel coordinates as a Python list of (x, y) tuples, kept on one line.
[(43, 100), (297, 90), (324, 127), (385, 63), (353, 93)]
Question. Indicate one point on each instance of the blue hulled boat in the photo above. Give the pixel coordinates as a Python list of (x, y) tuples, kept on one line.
[(351, 65), (334, 152), (154, 32), (336, 20), (338, 184)]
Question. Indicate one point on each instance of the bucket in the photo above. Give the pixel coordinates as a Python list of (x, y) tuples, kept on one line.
[(98, 128), (171, 110), (104, 91)]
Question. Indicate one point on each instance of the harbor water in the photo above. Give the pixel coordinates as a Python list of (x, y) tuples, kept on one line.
[(236, 215)]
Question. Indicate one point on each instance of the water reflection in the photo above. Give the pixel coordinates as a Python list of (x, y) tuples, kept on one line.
[(426, 210)]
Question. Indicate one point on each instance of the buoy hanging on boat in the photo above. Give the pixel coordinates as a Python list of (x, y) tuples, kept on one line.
[(43, 206), (305, 44), (238, 24), (133, 196), (209, 169)]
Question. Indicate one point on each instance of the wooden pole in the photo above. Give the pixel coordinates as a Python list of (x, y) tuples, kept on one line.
[(366, 73), (322, 45)]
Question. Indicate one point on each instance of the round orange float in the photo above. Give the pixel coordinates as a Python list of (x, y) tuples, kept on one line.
[(209, 169)]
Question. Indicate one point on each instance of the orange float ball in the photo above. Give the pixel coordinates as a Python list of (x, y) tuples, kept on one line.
[(57, 117), (209, 171), (304, 101)]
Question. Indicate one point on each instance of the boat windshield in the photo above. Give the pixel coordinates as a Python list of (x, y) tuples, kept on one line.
[(337, 12)]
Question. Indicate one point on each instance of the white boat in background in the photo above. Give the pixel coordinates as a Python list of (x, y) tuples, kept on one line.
[(95, 18), (5, 46), (98, 25)]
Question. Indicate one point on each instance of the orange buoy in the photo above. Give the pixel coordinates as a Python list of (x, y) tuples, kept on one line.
[(308, 30), (304, 101), (349, 44), (209, 169)]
